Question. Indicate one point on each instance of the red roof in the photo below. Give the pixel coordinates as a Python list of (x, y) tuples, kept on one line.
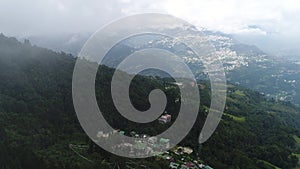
[(189, 164)]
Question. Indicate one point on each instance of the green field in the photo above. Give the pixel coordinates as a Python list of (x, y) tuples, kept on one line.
[(239, 93), (236, 118), (298, 156)]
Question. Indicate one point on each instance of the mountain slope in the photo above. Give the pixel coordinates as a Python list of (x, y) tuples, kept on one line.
[(39, 128)]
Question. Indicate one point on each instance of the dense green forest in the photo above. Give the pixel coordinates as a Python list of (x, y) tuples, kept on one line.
[(39, 128)]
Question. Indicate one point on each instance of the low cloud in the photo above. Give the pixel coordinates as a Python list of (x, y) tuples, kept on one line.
[(274, 18)]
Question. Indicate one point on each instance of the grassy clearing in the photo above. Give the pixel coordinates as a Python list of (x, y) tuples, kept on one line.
[(297, 139), (239, 93), (236, 118), (298, 156), (267, 163)]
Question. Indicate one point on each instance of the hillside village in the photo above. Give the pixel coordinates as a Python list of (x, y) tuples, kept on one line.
[(179, 157)]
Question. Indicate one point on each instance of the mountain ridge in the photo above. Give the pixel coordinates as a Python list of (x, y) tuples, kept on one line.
[(38, 121)]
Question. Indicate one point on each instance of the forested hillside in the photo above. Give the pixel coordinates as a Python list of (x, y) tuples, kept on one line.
[(39, 128)]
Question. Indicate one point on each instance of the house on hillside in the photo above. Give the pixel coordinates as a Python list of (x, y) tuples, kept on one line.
[(188, 165), (122, 132), (152, 140), (164, 142), (101, 134), (187, 150), (165, 118), (174, 165), (207, 167)]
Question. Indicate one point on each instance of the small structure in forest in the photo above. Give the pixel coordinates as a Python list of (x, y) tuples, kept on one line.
[(166, 118)]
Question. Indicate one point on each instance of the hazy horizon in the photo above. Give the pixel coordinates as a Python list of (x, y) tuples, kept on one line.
[(271, 25)]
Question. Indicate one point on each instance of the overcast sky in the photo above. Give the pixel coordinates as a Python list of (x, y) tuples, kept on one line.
[(279, 19)]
